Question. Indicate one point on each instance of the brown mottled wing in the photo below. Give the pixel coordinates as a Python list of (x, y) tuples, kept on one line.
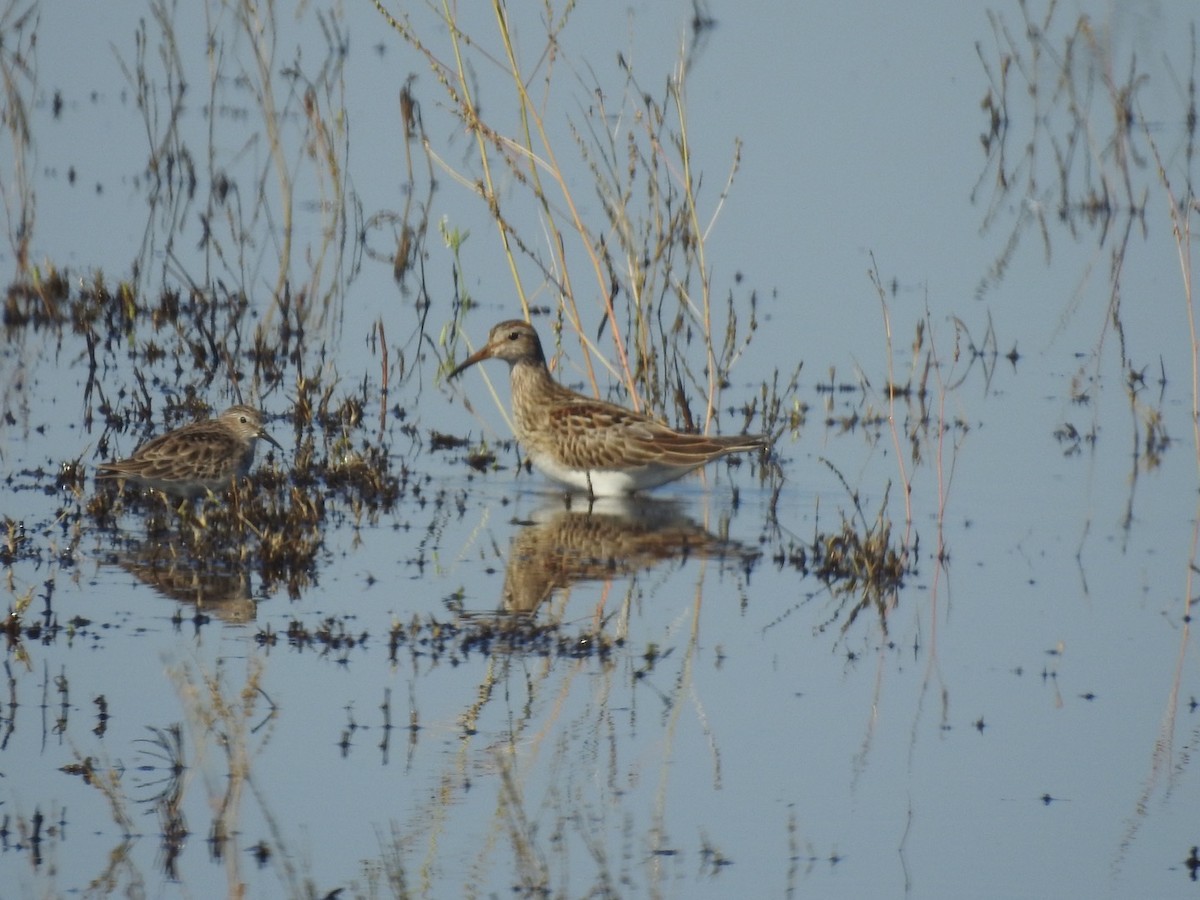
[(592, 434), (205, 452)]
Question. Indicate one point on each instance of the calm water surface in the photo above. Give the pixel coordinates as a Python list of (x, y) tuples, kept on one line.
[(659, 698)]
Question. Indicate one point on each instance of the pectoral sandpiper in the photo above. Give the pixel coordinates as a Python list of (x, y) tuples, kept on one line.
[(200, 457), (587, 444)]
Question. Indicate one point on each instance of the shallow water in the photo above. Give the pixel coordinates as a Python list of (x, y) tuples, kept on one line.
[(456, 685)]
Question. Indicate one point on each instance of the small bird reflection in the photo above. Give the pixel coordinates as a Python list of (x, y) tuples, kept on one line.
[(612, 538), (172, 570)]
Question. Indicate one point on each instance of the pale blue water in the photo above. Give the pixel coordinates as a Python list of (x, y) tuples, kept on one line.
[(1024, 727)]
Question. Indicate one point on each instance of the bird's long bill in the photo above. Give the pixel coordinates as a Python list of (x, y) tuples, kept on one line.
[(479, 355), (270, 440)]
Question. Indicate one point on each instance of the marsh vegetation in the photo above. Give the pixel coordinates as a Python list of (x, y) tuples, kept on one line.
[(393, 660)]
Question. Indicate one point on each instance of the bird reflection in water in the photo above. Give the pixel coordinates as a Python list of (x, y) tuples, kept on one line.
[(172, 570), (614, 537)]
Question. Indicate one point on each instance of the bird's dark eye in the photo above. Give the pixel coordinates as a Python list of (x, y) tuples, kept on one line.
[(514, 335)]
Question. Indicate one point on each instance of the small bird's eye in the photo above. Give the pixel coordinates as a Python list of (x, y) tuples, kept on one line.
[(514, 335)]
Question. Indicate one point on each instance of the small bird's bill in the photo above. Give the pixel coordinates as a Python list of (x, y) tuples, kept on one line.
[(478, 356)]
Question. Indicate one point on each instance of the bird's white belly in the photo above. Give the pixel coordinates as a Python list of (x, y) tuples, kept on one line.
[(606, 482)]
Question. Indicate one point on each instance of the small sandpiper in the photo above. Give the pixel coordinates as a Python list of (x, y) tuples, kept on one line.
[(590, 445), (197, 458)]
